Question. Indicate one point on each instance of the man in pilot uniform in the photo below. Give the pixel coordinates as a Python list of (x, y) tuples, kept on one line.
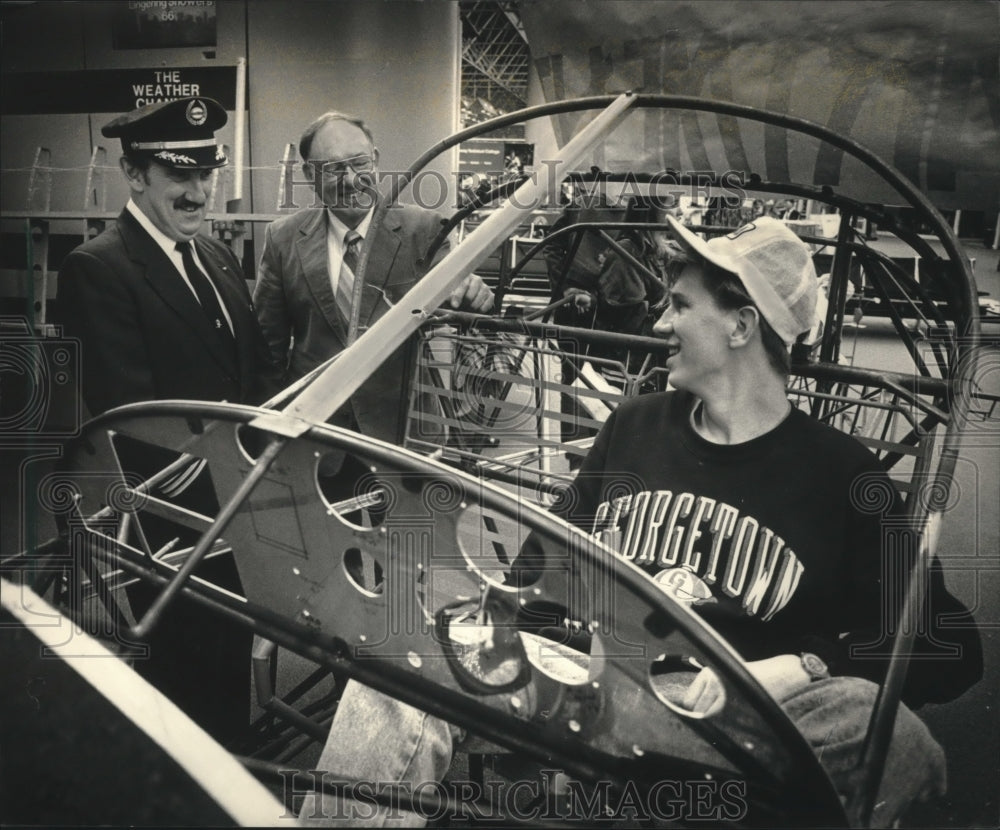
[(163, 312), (160, 310)]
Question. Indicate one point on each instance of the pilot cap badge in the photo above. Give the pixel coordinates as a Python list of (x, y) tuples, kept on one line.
[(178, 134)]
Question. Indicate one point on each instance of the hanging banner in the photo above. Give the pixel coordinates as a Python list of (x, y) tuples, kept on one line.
[(918, 83), (113, 90)]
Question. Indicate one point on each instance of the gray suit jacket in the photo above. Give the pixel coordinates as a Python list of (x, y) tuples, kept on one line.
[(299, 315)]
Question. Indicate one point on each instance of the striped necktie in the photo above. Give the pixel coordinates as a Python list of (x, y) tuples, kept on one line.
[(348, 267)]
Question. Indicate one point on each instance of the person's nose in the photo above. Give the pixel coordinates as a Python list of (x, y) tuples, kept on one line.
[(197, 189), (664, 326)]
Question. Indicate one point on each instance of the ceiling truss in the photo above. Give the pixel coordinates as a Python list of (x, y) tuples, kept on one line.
[(495, 56)]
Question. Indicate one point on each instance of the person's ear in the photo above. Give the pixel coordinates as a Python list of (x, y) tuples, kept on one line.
[(375, 156), (746, 322), (135, 176)]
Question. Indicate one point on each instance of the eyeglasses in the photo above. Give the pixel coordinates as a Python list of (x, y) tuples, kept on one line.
[(338, 167)]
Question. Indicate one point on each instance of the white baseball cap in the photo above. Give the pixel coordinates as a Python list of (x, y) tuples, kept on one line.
[(774, 266)]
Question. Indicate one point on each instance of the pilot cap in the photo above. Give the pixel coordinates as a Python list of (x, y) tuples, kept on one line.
[(177, 133)]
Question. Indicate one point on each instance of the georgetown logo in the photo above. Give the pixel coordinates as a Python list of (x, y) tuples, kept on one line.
[(684, 587)]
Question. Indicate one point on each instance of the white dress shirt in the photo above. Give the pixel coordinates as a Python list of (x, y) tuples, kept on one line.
[(169, 247), (335, 232)]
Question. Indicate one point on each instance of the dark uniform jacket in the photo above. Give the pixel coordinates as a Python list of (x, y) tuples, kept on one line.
[(143, 334)]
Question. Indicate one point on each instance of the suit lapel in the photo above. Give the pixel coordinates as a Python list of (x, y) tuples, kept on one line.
[(311, 247), (383, 255), (314, 261), (165, 280), (234, 297)]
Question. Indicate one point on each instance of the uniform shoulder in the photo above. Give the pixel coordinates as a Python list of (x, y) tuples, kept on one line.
[(219, 249), (107, 247), (109, 239)]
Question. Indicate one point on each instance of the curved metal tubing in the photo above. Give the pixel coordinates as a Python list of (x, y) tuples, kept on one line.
[(688, 102), (654, 610)]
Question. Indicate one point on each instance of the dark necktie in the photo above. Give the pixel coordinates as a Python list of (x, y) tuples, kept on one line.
[(207, 297), (348, 268)]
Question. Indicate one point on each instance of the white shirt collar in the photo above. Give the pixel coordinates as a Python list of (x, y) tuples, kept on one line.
[(169, 247), (338, 229), (159, 237)]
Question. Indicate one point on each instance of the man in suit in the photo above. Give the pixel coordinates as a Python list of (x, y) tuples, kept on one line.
[(150, 327), (163, 312), (301, 295)]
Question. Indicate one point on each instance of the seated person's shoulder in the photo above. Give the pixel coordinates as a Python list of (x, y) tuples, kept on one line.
[(835, 442), (649, 411)]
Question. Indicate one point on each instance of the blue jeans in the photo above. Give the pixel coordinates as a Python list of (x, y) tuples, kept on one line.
[(374, 737), (377, 738)]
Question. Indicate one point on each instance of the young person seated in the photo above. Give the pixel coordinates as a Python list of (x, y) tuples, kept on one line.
[(729, 442)]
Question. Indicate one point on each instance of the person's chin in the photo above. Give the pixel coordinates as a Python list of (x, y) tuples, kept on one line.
[(188, 223), (187, 232), (676, 376), (348, 214)]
